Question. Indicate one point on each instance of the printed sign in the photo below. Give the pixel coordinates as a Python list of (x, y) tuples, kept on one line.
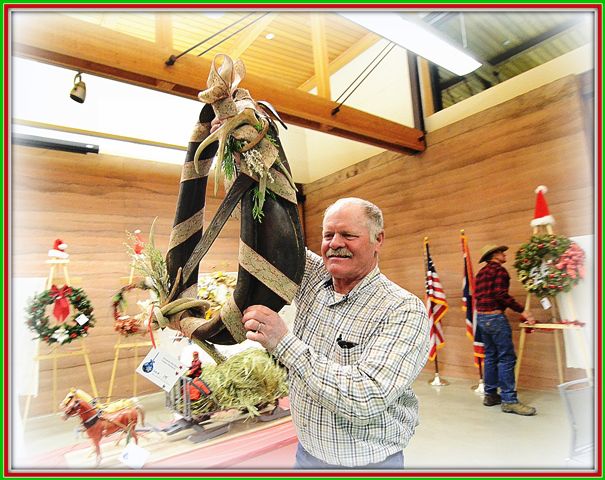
[(545, 303), (161, 368)]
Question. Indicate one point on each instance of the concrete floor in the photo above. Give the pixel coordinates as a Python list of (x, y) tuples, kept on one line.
[(456, 432)]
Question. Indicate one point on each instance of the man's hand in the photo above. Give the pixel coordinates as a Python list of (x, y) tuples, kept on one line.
[(215, 124), (529, 318), (264, 326)]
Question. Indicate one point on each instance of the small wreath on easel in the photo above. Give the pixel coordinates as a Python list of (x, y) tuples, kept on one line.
[(61, 331), (549, 264), (126, 324)]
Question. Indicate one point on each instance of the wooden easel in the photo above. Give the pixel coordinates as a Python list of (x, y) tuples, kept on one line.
[(120, 345), (51, 275), (56, 353), (557, 328)]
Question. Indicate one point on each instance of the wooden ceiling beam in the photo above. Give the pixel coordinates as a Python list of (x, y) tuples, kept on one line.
[(352, 52), (78, 45), (320, 56), (163, 29), (250, 37)]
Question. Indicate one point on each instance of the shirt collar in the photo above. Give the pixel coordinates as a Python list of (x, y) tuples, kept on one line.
[(328, 282)]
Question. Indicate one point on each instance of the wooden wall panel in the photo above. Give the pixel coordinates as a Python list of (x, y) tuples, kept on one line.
[(90, 201), (479, 175)]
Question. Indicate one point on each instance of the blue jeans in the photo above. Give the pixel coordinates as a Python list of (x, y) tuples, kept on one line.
[(500, 358), (305, 460)]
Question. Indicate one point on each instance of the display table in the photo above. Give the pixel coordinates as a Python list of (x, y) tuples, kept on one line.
[(557, 328)]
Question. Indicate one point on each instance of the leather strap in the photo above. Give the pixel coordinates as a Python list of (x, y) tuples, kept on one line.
[(91, 421), (241, 185)]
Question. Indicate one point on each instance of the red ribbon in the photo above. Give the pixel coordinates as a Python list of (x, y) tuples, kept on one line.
[(61, 308)]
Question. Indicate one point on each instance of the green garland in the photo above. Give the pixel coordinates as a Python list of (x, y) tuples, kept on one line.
[(537, 265), (63, 333)]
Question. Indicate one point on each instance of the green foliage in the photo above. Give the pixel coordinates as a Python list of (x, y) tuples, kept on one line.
[(70, 330), (259, 200), (231, 147), (536, 263), (258, 197), (151, 264), (246, 381)]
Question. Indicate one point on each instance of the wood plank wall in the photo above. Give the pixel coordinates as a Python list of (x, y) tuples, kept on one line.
[(479, 175), (90, 201)]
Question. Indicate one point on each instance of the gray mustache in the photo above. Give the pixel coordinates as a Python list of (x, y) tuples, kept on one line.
[(339, 252)]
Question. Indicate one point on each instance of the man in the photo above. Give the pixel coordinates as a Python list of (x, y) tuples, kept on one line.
[(492, 297), (358, 342)]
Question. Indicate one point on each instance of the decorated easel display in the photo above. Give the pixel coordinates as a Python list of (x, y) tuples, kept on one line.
[(59, 328), (132, 327), (548, 265)]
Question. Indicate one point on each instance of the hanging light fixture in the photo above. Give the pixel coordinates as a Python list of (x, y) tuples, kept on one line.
[(78, 92), (416, 38)]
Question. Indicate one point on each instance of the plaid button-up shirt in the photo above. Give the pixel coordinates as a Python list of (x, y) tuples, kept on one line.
[(351, 363), (491, 289)]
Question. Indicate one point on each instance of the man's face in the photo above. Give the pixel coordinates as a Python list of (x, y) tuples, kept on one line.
[(499, 257), (346, 247)]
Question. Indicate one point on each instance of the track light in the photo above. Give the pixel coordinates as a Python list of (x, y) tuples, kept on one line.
[(78, 92)]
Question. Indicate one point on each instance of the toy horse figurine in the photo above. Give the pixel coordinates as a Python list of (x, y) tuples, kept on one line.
[(271, 252), (97, 423)]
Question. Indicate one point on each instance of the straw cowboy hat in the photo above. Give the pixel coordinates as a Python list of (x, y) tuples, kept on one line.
[(487, 250)]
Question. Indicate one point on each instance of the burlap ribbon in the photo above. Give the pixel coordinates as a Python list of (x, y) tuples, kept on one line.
[(222, 83)]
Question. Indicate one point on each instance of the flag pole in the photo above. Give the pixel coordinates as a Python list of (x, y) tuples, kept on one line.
[(437, 381), (477, 388)]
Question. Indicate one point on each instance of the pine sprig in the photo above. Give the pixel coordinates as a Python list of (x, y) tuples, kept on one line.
[(231, 148), (258, 198)]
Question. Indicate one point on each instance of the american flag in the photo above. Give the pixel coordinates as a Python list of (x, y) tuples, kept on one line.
[(436, 304), (468, 302)]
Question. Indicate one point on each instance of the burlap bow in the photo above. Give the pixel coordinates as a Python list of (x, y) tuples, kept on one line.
[(222, 83)]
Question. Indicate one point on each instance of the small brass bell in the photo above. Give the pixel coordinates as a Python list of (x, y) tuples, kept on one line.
[(78, 93)]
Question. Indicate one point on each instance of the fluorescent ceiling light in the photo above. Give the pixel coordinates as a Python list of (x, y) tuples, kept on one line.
[(416, 38)]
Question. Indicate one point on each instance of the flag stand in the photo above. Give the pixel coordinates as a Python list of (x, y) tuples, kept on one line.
[(437, 381), (480, 387)]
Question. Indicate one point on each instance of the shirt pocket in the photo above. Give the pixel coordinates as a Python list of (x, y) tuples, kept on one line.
[(350, 351)]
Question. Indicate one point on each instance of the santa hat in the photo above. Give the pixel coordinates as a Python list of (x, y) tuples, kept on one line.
[(58, 250), (59, 245), (541, 214)]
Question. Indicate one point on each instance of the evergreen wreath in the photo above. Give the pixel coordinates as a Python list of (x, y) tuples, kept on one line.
[(60, 332), (549, 264), (123, 323)]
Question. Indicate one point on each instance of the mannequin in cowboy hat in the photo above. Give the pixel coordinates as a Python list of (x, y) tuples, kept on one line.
[(492, 299)]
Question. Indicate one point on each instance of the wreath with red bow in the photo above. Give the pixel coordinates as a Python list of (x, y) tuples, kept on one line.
[(61, 330)]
